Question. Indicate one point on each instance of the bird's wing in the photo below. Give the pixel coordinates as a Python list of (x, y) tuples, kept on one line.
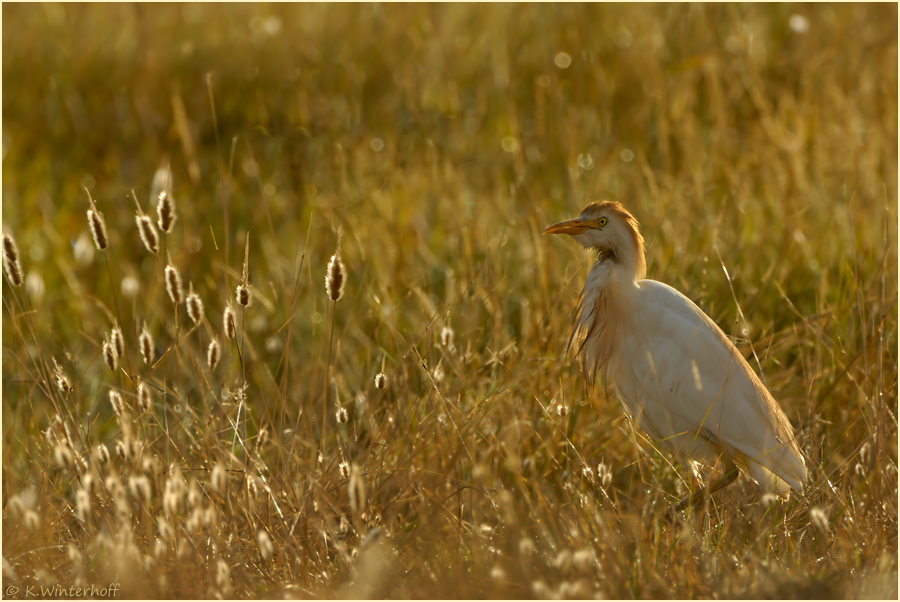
[(694, 376)]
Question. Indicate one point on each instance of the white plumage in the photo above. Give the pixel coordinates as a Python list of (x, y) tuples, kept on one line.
[(675, 371)]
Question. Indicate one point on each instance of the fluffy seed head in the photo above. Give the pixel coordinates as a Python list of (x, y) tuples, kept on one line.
[(83, 505), (604, 475), (219, 478), (342, 415), (165, 209), (223, 575), (60, 379), (173, 284), (102, 454), (11, 264), (334, 278), (213, 353), (98, 229), (562, 410), (64, 456), (344, 469), (117, 341), (380, 380), (447, 337), (109, 356), (819, 519), (194, 306), (148, 233), (228, 322), (144, 397), (242, 295), (146, 343), (116, 400), (140, 489), (266, 548)]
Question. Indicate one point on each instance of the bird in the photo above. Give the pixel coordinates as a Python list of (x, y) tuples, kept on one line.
[(676, 373)]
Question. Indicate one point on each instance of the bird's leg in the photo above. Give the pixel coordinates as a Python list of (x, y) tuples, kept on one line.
[(731, 473)]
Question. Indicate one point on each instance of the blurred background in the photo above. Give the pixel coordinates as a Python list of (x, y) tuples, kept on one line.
[(442, 139)]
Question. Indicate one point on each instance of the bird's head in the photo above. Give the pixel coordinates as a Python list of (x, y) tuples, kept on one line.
[(611, 230)]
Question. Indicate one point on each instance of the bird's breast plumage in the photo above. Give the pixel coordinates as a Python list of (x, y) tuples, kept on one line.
[(681, 378)]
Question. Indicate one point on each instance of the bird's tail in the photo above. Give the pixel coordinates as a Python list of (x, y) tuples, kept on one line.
[(778, 470)]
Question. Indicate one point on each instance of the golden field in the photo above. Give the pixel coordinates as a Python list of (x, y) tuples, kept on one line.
[(756, 145)]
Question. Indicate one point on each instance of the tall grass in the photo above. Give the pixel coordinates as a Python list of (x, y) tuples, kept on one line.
[(756, 144)]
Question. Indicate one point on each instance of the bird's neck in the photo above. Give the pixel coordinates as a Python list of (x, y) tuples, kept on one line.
[(624, 267)]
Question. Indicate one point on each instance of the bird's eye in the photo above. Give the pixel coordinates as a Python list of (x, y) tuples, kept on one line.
[(601, 222)]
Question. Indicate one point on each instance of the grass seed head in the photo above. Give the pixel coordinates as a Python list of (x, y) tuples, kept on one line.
[(381, 380), (173, 284), (819, 518), (447, 337), (144, 397), (228, 322), (266, 548), (64, 456), (117, 341), (213, 353), (604, 475), (165, 209), (223, 576), (146, 343), (98, 229), (116, 400), (242, 295), (194, 306), (219, 478), (11, 264), (141, 490), (102, 454), (83, 505), (109, 356), (148, 233), (60, 379), (344, 469), (334, 278), (342, 415)]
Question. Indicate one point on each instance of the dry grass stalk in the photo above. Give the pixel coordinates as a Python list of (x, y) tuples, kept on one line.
[(11, 264)]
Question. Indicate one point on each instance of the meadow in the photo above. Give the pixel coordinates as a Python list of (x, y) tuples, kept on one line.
[(427, 434)]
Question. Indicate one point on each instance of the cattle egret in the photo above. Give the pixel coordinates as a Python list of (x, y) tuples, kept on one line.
[(675, 371)]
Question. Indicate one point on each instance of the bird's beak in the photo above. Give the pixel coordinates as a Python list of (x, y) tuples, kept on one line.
[(572, 226)]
